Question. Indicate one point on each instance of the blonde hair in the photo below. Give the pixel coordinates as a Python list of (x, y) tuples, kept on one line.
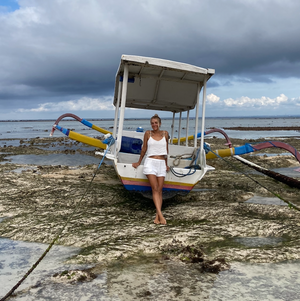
[(156, 117)]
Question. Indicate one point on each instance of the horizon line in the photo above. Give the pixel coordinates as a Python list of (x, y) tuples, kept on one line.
[(142, 118)]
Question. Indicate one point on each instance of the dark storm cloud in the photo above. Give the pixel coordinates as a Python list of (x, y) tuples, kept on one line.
[(54, 50)]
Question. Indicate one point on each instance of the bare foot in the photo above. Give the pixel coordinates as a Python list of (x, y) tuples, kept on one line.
[(163, 221), (156, 220)]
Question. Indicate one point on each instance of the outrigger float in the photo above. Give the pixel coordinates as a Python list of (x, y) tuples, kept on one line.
[(162, 85)]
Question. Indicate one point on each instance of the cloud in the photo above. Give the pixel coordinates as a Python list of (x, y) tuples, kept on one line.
[(54, 51), (83, 104), (256, 102), (211, 98), (295, 101)]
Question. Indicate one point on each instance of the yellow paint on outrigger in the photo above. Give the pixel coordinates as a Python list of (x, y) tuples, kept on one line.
[(182, 139), (97, 128), (87, 140), (221, 152)]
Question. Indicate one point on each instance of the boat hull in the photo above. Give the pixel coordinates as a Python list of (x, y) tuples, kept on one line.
[(134, 179)]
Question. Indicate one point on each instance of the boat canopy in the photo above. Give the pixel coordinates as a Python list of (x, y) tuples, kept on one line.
[(158, 84)]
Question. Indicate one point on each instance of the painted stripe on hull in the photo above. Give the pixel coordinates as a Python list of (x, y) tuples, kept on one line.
[(136, 183), (148, 188), (137, 188), (131, 181), (142, 186)]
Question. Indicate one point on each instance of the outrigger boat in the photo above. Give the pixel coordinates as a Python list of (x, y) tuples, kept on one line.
[(159, 85), (162, 85)]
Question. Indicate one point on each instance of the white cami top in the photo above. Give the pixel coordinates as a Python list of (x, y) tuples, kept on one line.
[(156, 148)]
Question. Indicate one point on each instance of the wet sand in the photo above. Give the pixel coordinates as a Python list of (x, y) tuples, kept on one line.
[(114, 228)]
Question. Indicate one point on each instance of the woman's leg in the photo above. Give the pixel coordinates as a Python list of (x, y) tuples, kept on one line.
[(156, 186)]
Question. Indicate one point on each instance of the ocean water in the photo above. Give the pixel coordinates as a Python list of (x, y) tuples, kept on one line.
[(32, 129)]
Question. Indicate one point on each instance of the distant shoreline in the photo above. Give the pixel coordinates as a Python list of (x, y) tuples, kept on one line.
[(67, 119), (145, 118), (264, 128)]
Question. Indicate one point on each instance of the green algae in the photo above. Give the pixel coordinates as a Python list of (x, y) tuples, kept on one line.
[(114, 223), (224, 243)]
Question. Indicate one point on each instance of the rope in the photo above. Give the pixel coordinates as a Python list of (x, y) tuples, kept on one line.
[(182, 175), (192, 157), (110, 142), (194, 167), (290, 204), (178, 158)]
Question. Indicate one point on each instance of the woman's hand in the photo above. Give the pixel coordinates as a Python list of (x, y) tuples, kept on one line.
[(168, 168), (135, 165)]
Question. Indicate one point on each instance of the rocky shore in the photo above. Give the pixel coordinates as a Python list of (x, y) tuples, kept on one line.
[(212, 224)]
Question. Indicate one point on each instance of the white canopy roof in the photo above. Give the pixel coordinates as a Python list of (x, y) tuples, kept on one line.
[(157, 84)]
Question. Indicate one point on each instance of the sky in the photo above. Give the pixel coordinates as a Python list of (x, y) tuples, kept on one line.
[(61, 56)]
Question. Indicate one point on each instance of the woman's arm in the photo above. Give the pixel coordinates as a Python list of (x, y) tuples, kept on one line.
[(166, 157), (143, 151)]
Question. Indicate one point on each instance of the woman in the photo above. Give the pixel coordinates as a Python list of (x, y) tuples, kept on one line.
[(155, 165)]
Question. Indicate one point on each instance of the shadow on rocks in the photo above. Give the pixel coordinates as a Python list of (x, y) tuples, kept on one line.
[(194, 255)]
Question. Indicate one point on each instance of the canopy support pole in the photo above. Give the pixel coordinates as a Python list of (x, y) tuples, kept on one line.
[(122, 110), (202, 158), (172, 126), (116, 115), (187, 127), (179, 128), (197, 115)]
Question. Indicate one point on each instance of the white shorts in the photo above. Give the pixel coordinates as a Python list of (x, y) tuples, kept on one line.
[(155, 167)]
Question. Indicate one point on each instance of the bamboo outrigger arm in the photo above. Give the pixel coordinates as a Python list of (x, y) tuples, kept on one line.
[(78, 137)]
